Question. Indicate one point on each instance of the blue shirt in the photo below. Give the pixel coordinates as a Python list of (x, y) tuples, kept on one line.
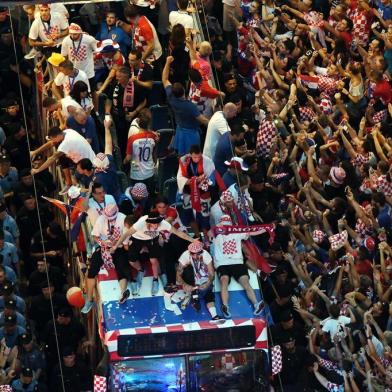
[(10, 255), (10, 225), (116, 34), (109, 179), (223, 153), (384, 11), (228, 179), (88, 131), (384, 218), (9, 180), (18, 386), (11, 340), (185, 111), (10, 274)]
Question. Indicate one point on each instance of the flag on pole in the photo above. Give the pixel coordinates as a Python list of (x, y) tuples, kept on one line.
[(63, 207)]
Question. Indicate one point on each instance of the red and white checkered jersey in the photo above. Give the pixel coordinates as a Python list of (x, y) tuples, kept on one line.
[(383, 185), (144, 32)]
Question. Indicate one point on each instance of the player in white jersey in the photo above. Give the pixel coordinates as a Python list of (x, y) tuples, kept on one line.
[(141, 152)]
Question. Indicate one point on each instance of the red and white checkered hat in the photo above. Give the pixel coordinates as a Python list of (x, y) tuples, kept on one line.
[(318, 236), (337, 174), (139, 191), (338, 240), (107, 45), (226, 196), (195, 247), (110, 211)]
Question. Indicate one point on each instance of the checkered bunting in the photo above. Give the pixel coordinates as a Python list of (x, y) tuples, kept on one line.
[(78, 55), (100, 384), (276, 356)]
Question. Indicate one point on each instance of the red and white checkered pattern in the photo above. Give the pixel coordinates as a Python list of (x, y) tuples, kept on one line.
[(276, 359), (100, 384), (380, 116), (229, 247), (360, 159), (325, 104), (314, 19), (338, 240), (51, 30), (327, 84), (383, 185), (361, 28), (265, 137), (78, 55), (318, 236), (306, 114)]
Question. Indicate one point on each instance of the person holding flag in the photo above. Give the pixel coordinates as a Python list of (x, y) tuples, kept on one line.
[(195, 177), (229, 261)]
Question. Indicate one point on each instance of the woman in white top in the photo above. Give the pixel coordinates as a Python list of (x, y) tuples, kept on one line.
[(80, 94)]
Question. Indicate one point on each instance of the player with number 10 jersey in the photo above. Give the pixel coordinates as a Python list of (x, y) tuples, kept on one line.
[(141, 149)]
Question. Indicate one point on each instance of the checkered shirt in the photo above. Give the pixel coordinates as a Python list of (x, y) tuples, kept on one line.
[(327, 84), (325, 104), (100, 384), (383, 185), (265, 138), (361, 28), (306, 114)]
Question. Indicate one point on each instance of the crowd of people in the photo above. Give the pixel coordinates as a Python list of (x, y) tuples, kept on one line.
[(277, 161)]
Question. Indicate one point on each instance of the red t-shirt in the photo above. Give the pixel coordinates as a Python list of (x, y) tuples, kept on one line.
[(364, 267), (383, 90)]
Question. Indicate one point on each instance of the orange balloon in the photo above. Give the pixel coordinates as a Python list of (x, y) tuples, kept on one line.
[(75, 297)]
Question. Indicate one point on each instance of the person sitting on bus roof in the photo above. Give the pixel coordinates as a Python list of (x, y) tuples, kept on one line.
[(229, 262), (196, 274), (145, 233)]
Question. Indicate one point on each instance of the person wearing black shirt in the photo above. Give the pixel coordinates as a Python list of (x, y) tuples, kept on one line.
[(11, 112), (293, 360), (69, 331), (287, 325), (39, 276), (25, 187), (40, 311), (124, 103), (28, 223), (53, 241), (74, 375)]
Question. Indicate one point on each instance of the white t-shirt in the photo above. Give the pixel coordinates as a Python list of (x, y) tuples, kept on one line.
[(228, 249), (95, 209), (68, 82), (43, 30), (142, 232), (81, 53), (333, 326), (199, 265), (76, 147), (141, 146), (217, 126), (66, 103), (181, 17), (103, 226)]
